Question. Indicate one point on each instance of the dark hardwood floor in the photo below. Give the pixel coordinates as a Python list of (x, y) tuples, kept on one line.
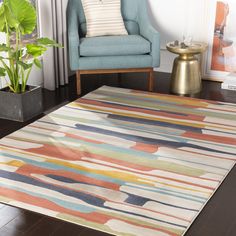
[(218, 218)]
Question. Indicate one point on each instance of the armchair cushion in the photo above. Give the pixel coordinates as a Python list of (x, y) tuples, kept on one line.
[(131, 26), (114, 46), (103, 17)]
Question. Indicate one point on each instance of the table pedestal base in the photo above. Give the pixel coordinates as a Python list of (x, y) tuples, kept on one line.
[(186, 76)]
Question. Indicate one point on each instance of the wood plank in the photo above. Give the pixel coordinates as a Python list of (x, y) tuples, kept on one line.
[(7, 214), (10, 232), (45, 227), (23, 221), (69, 229)]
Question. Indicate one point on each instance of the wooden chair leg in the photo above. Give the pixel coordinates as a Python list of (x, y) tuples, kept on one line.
[(151, 81), (78, 82)]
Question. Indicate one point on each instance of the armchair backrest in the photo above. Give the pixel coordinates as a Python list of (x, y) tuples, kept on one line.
[(129, 9)]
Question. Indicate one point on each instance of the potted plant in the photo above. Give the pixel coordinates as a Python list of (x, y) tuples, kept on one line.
[(19, 101)]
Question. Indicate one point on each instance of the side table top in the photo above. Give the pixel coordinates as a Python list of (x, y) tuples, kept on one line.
[(193, 48)]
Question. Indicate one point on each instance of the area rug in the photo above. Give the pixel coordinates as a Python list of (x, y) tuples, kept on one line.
[(121, 161)]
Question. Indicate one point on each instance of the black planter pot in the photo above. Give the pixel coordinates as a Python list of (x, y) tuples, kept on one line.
[(21, 107)]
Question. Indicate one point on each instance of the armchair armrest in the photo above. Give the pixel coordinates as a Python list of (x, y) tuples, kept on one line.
[(73, 36), (149, 32)]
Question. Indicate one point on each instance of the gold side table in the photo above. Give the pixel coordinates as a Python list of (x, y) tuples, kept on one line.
[(186, 74)]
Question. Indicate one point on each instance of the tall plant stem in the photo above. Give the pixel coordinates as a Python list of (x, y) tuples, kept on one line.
[(24, 83), (17, 60)]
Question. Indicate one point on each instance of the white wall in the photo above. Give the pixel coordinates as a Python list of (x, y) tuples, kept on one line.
[(175, 18)]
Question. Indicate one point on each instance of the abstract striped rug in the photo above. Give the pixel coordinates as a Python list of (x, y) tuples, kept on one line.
[(121, 161)]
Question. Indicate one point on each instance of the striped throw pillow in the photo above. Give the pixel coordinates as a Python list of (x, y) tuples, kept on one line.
[(103, 17)]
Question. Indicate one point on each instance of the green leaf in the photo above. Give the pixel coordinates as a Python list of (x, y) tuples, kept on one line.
[(7, 20), (4, 48), (10, 73), (17, 54), (2, 71), (25, 66), (24, 15), (48, 42), (37, 63), (35, 50), (12, 22), (2, 18)]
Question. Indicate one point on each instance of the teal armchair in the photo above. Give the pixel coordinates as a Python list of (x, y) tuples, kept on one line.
[(137, 52)]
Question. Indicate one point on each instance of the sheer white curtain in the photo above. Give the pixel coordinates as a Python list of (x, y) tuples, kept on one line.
[(52, 24)]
